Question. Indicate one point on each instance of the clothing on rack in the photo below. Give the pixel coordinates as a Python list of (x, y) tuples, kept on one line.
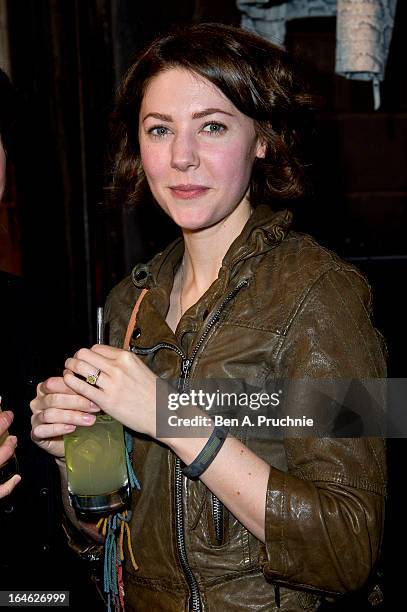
[(363, 31)]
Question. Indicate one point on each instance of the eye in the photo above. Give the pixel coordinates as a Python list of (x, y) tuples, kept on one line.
[(159, 131), (214, 128)]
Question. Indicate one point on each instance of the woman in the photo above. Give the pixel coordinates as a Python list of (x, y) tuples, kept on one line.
[(210, 118)]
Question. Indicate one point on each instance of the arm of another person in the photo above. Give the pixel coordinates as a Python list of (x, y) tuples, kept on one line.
[(7, 448)]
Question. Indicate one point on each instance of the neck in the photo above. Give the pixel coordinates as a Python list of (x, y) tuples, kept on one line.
[(206, 248)]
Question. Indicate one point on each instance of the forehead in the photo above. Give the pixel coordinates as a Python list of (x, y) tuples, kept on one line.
[(178, 89)]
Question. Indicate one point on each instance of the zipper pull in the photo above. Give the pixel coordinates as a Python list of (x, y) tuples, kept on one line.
[(185, 367), (184, 373)]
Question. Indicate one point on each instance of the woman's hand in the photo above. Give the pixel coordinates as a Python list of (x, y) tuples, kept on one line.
[(6, 451), (57, 410), (125, 387)]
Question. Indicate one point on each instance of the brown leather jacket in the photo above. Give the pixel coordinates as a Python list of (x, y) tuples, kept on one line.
[(283, 306)]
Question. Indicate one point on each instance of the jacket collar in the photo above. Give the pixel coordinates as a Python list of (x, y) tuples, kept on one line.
[(262, 232)]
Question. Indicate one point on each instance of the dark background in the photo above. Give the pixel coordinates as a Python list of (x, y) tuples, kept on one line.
[(67, 58)]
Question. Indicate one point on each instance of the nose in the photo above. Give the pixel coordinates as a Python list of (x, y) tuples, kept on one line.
[(184, 153)]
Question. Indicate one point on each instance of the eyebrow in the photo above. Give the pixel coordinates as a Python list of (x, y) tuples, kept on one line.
[(198, 115)]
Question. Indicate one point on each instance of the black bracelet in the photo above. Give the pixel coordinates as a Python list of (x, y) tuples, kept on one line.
[(208, 453)]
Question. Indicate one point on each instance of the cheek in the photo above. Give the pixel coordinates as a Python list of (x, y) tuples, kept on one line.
[(154, 162), (233, 163)]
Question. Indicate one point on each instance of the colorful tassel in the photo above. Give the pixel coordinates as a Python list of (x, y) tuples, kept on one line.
[(114, 528)]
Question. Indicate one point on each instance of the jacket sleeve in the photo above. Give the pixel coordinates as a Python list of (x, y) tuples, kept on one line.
[(324, 517)]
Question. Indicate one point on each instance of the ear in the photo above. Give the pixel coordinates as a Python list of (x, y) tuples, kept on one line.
[(261, 148)]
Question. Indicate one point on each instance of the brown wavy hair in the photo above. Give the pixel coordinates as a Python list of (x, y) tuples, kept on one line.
[(258, 77)]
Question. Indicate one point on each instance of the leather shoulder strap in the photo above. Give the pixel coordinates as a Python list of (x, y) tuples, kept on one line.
[(132, 320)]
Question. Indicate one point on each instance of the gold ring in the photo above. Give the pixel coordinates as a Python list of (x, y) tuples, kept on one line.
[(92, 379)]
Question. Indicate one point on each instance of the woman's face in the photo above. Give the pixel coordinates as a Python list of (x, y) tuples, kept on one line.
[(2, 170), (197, 149)]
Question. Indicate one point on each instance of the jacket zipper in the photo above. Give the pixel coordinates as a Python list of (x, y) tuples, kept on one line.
[(217, 513), (195, 603), (217, 506)]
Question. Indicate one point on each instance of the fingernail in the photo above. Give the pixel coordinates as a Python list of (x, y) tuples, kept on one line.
[(69, 427), (94, 408), (13, 439), (88, 418)]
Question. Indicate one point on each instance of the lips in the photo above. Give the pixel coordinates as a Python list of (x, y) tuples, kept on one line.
[(187, 192)]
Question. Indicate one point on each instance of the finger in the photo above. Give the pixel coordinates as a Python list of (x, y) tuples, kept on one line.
[(109, 352), (40, 434), (69, 417), (83, 388), (6, 418), (7, 449), (54, 446), (62, 401), (86, 369), (69, 402), (98, 359), (7, 487), (116, 357), (55, 384)]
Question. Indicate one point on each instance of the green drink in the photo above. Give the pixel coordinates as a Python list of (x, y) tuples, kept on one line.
[(96, 467)]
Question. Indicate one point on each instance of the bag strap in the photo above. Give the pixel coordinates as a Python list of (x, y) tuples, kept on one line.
[(132, 320), (116, 526)]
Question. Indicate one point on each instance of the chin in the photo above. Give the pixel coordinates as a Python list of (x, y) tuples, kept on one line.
[(195, 227), (193, 220)]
